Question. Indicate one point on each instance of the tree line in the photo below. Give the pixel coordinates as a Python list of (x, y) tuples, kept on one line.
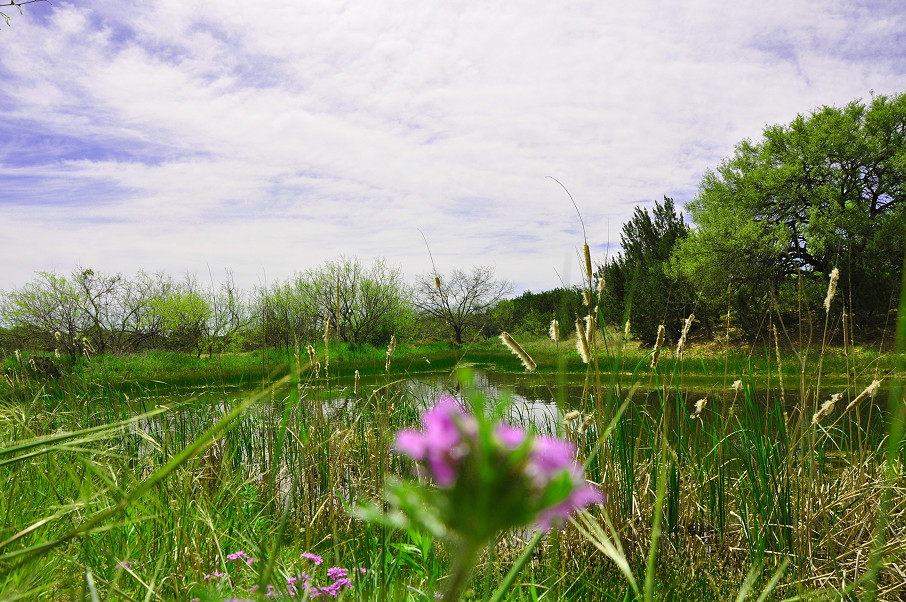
[(90, 312)]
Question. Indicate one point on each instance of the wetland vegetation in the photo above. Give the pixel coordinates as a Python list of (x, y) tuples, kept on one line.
[(741, 409)]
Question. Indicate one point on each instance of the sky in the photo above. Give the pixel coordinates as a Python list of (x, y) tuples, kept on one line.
[(269, 137)]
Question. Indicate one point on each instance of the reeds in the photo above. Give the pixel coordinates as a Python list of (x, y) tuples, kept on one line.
[(518, 351), (658, 343)]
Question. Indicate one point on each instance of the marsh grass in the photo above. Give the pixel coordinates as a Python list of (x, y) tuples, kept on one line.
[(168, 463)]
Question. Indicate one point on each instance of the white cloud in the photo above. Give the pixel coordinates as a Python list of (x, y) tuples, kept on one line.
[(272, 136)]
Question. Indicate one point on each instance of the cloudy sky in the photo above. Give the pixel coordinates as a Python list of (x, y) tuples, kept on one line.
[(269, 136)]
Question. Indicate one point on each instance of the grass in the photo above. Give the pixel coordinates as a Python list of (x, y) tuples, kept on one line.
[(168, 463)]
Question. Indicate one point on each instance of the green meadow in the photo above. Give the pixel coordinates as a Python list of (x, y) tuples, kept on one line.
[(136, 476)]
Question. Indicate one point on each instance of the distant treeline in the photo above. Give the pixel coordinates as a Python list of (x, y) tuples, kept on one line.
[(89, 312)]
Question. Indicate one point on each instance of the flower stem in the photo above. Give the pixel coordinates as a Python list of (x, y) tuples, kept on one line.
[(462, 570)]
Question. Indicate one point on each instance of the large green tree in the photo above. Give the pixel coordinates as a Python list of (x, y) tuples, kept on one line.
[(638, 285), (825, 191)]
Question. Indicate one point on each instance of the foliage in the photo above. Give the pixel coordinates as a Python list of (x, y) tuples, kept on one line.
[(365, 303), (531, 313), (638, 286), (461, 301), (825, 191)]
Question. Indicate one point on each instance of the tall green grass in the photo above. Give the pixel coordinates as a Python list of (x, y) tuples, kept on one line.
[(166, 464)]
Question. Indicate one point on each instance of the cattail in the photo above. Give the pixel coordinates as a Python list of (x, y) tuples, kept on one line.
[(437, 282), (586, 296), (390, 349), (56, 353), (587, 261), (831, 289), (736, 386), (699, 406), (571, 417), (682, 339), (311, 355), (586, 423), (661, 333), (581, 340), (18, 357), (58, 336), (528, 362), (355, 390), (591, 325), (554, 331), (869, 391), (826, 408), (600, 287), (317, 369), (626, 329)]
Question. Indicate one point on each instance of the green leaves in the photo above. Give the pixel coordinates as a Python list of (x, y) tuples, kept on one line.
[(808, 197)]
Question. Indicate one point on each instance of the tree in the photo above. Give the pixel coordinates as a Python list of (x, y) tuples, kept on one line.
[(825, 191), (638, 285), (47, 305), (185, 313), (365, 303), (461, 300), (286, 313), (531, 313)]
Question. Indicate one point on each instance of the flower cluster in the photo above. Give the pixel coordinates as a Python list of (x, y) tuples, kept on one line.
[(301, 585), (495, 476)]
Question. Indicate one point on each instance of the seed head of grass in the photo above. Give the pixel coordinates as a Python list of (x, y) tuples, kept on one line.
[(581, 340), (591, 326), (826, 408), (571, 417), (682, 340), (661, 333), (554, 330), (831, 289), (390, 349), (517, 349), (699, 406), (869, 391)]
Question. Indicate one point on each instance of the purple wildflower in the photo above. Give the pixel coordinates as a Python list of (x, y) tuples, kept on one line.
[(581, 496), (336, 572), (510, 436), (448, 439), (441, 441), (214, 574), (126, 565), (313, 557)]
